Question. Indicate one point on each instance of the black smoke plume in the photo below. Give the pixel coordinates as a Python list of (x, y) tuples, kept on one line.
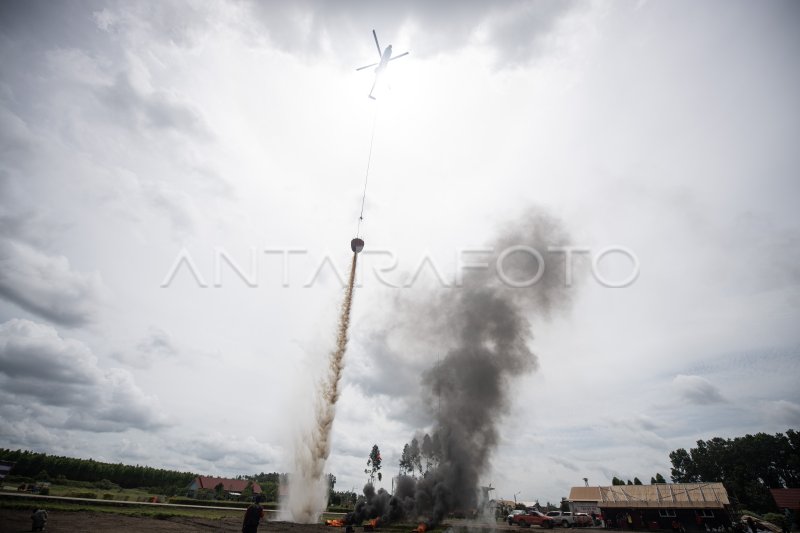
[(485, 330)]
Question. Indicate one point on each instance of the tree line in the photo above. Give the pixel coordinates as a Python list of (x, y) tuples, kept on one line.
[(658, 478), (748, 466), (44, 467)]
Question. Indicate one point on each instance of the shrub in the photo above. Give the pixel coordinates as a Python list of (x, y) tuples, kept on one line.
[(17, 480), (106, 485), (774, 518), (44, 491), (108, 496), (91, 495)]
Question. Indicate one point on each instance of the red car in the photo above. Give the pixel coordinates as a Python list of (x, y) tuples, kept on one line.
[(534, 518)]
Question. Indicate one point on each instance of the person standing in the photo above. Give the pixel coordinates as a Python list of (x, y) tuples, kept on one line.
[(38, 519), (253, 516)]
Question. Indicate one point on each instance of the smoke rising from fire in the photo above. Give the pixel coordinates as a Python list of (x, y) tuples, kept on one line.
[(308, 486), (483, 331)]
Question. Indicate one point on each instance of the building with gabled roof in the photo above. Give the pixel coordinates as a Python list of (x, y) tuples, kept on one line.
[(694, 505), (787, 499)]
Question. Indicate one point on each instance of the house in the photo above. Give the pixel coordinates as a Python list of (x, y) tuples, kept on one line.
[(233, 487), (694, 505), (787, 499)]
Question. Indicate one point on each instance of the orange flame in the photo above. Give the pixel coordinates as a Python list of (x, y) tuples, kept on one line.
[(335, 523), (374, 522), (422, 527)]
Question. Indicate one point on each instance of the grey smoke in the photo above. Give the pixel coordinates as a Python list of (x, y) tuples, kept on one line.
[(485, 329)]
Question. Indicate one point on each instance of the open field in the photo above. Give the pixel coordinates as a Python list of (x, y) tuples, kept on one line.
[(88, 521), (89, 516), (13, 521)]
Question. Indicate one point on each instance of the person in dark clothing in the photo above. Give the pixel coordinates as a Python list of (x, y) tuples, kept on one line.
[(38, 519), (253, 516)]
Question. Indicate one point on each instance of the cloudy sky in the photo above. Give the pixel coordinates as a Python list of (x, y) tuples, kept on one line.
[(148, 148)]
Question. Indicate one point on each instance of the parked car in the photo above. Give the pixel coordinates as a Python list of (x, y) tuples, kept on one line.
[(562, 518), (514, 513), (567, 519), (583, 520), (534, 518)]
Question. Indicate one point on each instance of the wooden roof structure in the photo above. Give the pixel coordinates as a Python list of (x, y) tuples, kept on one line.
[(657, 496)]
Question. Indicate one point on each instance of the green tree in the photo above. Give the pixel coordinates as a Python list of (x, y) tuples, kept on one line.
[(247, 493), (219, 491), (406, 465), (617, 481), (629, 482), (660, 478), (748, 466), (374, 464), (636, 481), (427, 452), (414, 456)]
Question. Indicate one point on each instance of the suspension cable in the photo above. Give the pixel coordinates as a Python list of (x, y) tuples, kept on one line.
[(366, 176)]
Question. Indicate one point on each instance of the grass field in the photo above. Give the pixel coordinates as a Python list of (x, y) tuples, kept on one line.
[(7, 502), (144, 510)]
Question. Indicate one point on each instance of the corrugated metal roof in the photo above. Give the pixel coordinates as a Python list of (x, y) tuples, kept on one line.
[(786, 498), (657, 496), (584, 494)]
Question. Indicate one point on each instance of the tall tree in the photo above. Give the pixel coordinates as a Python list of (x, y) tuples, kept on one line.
[(748, 466), (636, 481), (414, 456), (660, 478), (374, 464), (405, 461), (426, 450)]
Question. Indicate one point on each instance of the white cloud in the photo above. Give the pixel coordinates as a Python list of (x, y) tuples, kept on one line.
[(697, 390), (47, 285), (229, 453), (156, 346), (782, 412), (43, 371)]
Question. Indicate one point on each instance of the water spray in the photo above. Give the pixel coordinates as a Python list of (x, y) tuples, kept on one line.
[(308, 487)]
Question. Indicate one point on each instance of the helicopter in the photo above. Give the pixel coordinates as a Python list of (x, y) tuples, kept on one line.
[(381, 65)]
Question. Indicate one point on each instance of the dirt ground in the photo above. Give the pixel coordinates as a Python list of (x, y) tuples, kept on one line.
[(14, 521)]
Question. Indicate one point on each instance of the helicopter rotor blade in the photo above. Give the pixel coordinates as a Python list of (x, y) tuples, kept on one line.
[(367, 66), (399, 56), (380, 54)]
